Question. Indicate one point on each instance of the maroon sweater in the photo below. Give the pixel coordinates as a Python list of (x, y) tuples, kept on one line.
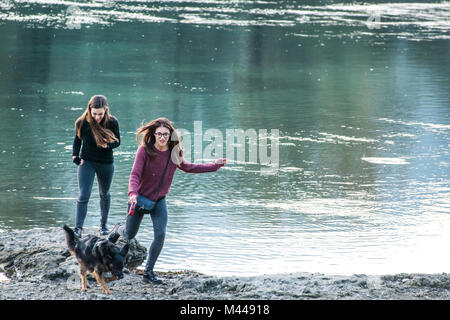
[(146, 174)]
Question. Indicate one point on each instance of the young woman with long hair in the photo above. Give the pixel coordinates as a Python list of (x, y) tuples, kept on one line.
[(158, 156), (97, 134)]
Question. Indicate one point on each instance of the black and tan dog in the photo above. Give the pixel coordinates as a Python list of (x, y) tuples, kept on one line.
[(96, 255)]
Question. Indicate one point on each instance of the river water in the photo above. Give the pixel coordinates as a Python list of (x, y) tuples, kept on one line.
[(360, 96)]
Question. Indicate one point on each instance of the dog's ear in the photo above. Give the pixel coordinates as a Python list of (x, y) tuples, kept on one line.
[(114, 237), (124, 250), (102, 248)]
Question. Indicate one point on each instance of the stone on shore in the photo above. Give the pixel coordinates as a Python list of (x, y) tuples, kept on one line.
[(39, 266)]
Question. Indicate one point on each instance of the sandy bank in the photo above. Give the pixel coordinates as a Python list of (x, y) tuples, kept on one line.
[(39, 266)]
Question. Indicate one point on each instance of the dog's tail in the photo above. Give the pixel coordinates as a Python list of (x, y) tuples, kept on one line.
[(70, 239)]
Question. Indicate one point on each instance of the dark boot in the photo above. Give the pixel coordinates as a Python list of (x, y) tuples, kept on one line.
[(151, 278), (103, 230)]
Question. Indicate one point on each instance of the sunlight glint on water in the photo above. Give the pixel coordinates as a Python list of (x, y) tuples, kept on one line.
[(363, 113)]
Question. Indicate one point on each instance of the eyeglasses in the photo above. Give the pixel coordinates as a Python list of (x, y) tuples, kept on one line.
[(165, 135)]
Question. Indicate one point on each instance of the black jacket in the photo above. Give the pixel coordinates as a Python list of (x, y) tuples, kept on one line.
[(89, 149)]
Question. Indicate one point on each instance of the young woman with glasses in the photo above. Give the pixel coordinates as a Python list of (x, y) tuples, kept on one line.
[(157, 158)]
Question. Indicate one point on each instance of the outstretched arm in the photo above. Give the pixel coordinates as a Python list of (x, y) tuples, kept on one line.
[(202, 167)]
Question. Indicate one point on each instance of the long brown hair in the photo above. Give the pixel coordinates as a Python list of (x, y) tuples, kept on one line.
[(148, 141), (101, 131)]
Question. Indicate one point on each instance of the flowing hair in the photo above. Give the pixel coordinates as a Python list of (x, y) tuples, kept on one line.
[(147, 131), (100, 131)]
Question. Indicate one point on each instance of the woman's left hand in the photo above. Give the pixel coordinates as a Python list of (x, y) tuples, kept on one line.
[(221, 161)]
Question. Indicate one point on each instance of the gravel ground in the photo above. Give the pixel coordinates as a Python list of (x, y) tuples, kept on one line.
[(38, 266)]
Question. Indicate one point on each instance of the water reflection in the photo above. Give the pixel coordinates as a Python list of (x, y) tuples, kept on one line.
[(363, 117)]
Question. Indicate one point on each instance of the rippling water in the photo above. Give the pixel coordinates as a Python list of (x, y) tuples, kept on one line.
[(416, 21), (359, 93)]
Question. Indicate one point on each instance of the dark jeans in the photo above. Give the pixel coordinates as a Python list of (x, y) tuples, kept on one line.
[(159, 219), (86, 174)]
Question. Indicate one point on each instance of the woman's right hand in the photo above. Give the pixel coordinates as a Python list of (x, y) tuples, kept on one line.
[(132, 199), (79, 162)]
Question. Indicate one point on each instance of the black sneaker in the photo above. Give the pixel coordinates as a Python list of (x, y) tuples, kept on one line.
[(77, 232), (103, 230), (151, 278)]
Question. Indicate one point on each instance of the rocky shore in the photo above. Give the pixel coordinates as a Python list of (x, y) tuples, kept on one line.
[(38, 266)]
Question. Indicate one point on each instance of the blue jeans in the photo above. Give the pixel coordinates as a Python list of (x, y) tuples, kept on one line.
[(86, 174), (159, 219)]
